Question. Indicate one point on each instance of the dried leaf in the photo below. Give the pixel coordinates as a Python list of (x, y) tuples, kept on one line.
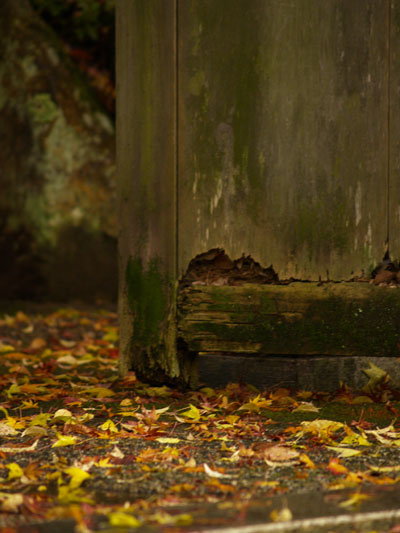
[(34, 431), (277, 453), (213, 473), (282, 515), (14, 471), (345, 452), (355, 500), (78, 476), (109, 426), (6, 429), (64, 440), (10, 503), (336, 467), (120, 519), (306, 407), (192, 413)]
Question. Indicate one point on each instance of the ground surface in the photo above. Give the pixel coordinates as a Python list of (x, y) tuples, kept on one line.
[(82, 449)]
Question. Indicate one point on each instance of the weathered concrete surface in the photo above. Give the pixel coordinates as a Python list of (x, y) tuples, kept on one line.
[(320, 512), (146, 137), (313, 373), (283, 133), (57, 202), (394, 126)]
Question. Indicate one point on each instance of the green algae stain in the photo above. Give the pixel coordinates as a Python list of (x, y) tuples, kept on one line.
[(147, 299), (42, 108)]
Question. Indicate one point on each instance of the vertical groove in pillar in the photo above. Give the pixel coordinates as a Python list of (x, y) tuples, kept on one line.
[(177, 138), (388, 125)]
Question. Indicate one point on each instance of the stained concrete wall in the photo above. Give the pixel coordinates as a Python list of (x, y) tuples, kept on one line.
[(283, 133), (264, 127)]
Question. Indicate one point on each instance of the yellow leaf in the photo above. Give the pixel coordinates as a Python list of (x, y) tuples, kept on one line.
[(168, 440), (13, 389), (306, 460), (99, 392), (15, 471), (355, 499), (63, 414), (68, 495), (345, 452), (111, 334), (40, 420), (165, 519), (103, 463), (255, 404), (35, 431), (193, 413), (361, 400), (109, 426), (28, 404), (126, 402), (120, 519), (322, 428), (207, 391), (64, 440), (78, 476), (376, 376), (354, 438), (284, 515), (306, 407), (6, 348)]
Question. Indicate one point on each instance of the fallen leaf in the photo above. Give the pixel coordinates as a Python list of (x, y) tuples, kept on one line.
[(14, 471), (19, 449), (282, 515), (376, 376), (10, 503), (37, 344), (6, 429), (192, 413), (99, 392), (116, 452), (306, 407), (336, 467), (34, 431), (355, 500), (63, 440), (109, 426), (345, 452), (213, 473), (78, 476), (120, 519), (277, 453)]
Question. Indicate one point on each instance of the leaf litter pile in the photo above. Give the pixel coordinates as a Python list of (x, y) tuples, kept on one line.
[(80, 445)]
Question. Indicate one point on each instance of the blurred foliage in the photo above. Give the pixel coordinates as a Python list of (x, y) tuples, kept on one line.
[(87, 29)]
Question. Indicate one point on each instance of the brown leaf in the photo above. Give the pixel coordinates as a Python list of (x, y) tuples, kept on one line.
[(37, 344)]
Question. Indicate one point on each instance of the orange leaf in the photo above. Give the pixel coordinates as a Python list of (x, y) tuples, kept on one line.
[(336, 467)]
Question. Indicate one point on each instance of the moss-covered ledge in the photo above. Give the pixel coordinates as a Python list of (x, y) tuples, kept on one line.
[(295, 319)]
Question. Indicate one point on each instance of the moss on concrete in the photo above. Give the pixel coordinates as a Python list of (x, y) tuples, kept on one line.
[(353, 319), (152, 300), (148, 300)]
